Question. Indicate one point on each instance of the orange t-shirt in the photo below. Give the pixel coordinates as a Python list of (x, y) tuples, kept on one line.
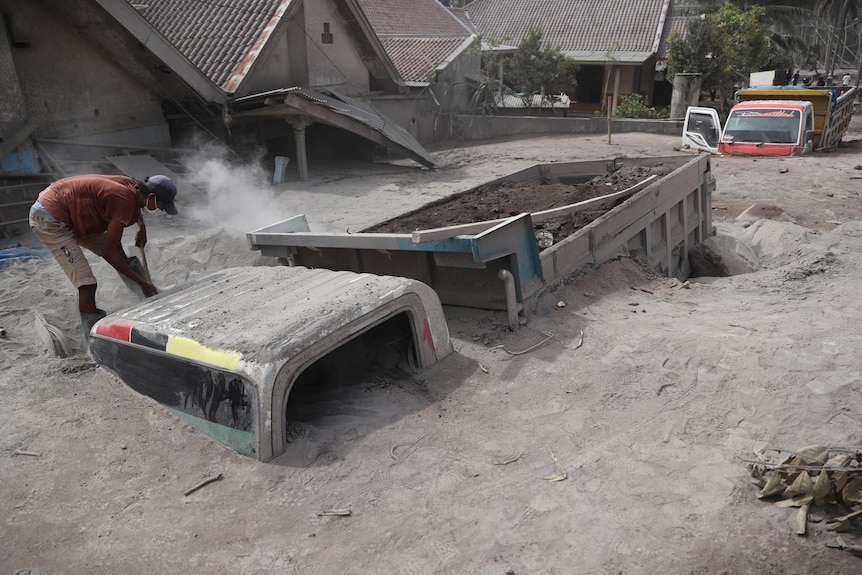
[(88, 203)]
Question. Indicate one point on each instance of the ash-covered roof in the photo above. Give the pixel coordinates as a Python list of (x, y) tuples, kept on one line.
[(218, 36), (418, 35), (586, 30)]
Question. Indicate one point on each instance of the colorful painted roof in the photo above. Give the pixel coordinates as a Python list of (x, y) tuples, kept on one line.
[(585, 30)]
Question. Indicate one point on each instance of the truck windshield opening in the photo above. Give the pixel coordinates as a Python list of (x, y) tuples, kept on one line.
[(767, 126)]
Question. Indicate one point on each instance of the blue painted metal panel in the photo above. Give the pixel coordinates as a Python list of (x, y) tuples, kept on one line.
[(20, 162)]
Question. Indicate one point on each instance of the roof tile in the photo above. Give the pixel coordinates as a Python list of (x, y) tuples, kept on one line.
[(215, 35), (418, 35), (574, 25)]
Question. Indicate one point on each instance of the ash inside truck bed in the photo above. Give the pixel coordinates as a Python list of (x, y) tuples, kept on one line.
[(504, 199)]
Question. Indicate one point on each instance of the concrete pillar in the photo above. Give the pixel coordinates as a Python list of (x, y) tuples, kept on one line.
[(299, 124), (686, 92)]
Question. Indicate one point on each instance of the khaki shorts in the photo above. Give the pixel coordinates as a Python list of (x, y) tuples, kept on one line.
[(66, 248)]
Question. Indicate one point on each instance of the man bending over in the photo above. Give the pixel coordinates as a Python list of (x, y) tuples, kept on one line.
[(92, 211)]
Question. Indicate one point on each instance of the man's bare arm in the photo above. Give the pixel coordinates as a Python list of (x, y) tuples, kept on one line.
[(112, 252)]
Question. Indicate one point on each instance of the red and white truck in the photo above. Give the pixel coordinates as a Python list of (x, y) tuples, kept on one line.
[(772, 121)]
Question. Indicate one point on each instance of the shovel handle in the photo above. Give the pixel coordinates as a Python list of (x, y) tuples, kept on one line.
[(146, 267)]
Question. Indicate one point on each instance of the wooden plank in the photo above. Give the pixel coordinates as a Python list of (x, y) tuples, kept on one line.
[(546, 215), (420, 236)]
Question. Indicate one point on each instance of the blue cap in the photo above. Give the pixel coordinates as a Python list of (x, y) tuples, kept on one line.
[(165, 191)]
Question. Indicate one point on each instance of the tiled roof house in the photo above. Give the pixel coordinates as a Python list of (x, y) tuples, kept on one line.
[(248, 46), (252, 72), (431, 49), (419, 35), (375, 50), (622, 35)]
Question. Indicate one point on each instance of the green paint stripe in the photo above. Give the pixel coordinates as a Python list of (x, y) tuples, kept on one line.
[(241, 441)]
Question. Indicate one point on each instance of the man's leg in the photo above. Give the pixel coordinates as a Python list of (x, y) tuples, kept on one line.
[(64, 246), (62, 242), (87, 299), (90, 314)]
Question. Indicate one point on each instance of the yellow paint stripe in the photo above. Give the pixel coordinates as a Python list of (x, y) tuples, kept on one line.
[(190, 349)]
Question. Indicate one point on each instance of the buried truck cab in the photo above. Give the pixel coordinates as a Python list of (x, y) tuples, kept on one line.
[(773, 121), (225, 352), (759, 128)]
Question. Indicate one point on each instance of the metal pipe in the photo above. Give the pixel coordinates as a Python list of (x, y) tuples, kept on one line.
[(512, 306)]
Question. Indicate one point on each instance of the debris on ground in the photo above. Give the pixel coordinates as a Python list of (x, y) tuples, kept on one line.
[(818, 481), (51, 336)]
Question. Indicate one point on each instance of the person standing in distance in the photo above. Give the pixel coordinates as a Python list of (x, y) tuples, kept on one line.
[(92, 211)]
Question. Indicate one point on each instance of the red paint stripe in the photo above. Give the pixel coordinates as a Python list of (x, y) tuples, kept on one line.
[(119, 331), (426, 336)]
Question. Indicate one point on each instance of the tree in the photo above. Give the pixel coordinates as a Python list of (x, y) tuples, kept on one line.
[(814, 33), (725, 47), (839, 15), (534, 69), (696, 53)]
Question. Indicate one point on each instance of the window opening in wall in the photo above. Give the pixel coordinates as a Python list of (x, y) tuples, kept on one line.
[(326, 36)]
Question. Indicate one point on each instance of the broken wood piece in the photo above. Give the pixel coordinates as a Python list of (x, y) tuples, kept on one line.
[(203, 483), (335, 513), (580, 340), (30, 453), (508, 461), (420, 236), (398, 444), (559, 475), (545, 215), (548, 337)]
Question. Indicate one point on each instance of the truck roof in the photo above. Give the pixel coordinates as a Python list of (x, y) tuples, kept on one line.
[(263, 313), (773, 103)]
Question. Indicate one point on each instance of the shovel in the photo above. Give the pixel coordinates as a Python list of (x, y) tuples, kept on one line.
[(146, 267), (139, 266)]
